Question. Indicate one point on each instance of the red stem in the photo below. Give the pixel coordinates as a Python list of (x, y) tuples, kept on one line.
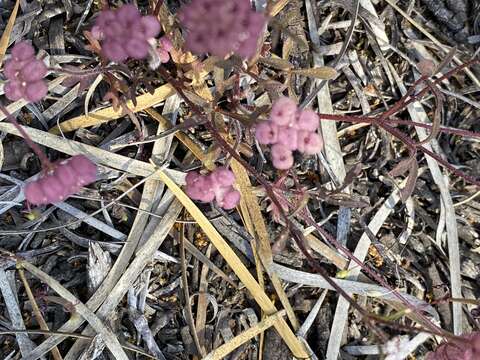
[(46, 164)]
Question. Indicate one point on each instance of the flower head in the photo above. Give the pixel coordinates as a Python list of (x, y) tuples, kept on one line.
[(125, 33), (25, 74), (309, 143), (308, 120), (288, 129), (222, 26), (266, 132), (282, 157), (66, 179), (218, 186), (284, 111)]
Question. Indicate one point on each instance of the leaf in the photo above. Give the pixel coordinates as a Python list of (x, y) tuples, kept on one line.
[(407, 191), (401, 168), (446, 60), (277, 63), (8, 30), (321, 72)]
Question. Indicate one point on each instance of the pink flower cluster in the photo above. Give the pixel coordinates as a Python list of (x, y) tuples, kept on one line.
[(25, 74), (218, 186), (66, 179), (289, 129), (222, 26), (125, 33), (467, 350)]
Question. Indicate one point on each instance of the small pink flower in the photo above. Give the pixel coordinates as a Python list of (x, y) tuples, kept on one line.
[(164, 48), (23, 51), (308, 120), (283, 112), (199, 187), (223, 177), (289, 129), (165, 43), (35, 91), (309, 143), (230, 200), (266, 132), (282, 157), (288, 136), (151, 26)]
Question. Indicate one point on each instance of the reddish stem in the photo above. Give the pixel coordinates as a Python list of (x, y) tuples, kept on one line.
[(46, 164)]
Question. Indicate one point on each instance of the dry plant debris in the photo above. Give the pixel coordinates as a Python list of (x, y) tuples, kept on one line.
[(236, 179)]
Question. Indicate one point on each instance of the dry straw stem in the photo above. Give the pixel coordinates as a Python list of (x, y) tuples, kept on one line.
[(222, 351), (237, 266), (110, 339), (356, 288), (104, 115), (144, 227), (4, 40), (361, 251), (253, 219)]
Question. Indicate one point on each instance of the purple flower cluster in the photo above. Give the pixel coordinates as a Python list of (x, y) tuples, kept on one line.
[(222, 26), (467, 350), (218, 186), (66, 179), (125, 33), (25, 74), (289, 129)]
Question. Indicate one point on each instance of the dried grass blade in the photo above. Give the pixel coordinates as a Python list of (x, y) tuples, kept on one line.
[(252, 211), (8, 30), (470, 74), (11, 303), (222, 351), (104, 115)]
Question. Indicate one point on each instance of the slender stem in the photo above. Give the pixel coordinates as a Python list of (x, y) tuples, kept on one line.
[(46, 164)]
